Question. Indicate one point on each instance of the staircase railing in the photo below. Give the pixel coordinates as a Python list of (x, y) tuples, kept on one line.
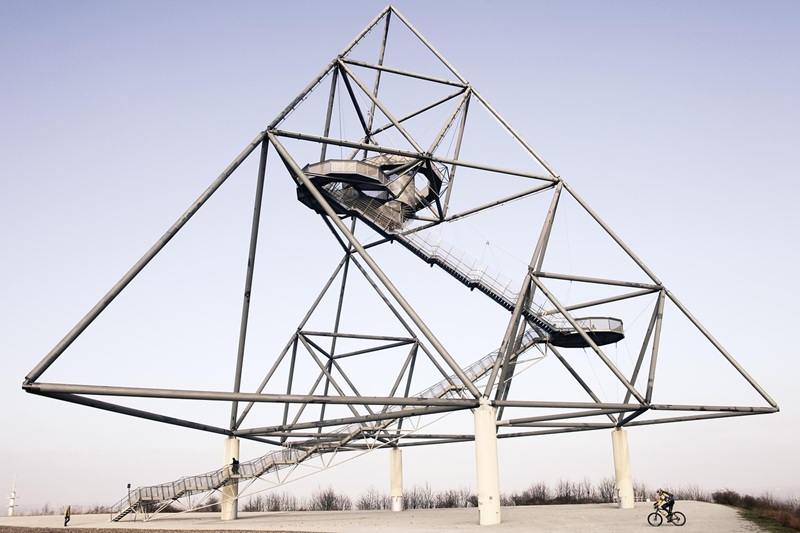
[(387, 218), (299, 452)]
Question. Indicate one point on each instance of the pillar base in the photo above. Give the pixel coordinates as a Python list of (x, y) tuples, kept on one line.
[(396, 479), (487, 467), (230, 492), (622, 468)]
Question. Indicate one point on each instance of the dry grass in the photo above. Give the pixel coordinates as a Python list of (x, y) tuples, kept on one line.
[(770, 513)]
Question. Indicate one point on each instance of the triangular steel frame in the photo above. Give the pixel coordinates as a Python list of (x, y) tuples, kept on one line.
[(530, 325)]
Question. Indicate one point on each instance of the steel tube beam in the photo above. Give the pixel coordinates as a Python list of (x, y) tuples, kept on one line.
[(411, 115), (310, 87), (613, 235), (579, 379), (601, 281), (525, 297), (329, 114), (359, 336), (611, 366), (293, 339), (379, 104), (266, 379), (377, 84), (651, 376), (396, 151), (430, 47), (137, 413), (374, 267), (560, 416), (248, 283), (457, 153), (104, 302), (447, 123), (329, 379), (336, 324), (601, 301), (395, 415), (722, 350), (549, 432), (516, 135), (643, 350), (186, 394), (501, 201), (708, 416), (401, 72)]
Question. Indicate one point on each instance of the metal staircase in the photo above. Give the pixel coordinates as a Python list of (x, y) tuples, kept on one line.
[(388, 220), (166, 493)]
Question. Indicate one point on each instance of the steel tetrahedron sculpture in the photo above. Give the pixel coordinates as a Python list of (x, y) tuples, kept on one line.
[(414, 175)]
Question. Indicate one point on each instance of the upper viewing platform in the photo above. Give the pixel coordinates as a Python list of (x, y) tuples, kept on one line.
[(386, 190)]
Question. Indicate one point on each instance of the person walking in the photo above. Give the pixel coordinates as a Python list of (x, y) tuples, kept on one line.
[(66, 515)]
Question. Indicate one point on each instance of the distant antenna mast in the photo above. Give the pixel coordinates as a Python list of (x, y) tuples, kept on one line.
[(13, 498)]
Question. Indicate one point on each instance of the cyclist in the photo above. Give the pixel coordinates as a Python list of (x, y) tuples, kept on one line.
[(665, 501)]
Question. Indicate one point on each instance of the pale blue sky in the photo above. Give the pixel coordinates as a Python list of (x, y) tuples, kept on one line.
[(677, 122)]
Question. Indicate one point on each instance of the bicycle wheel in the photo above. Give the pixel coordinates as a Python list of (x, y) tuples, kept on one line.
[(678, 518), (654, 519)]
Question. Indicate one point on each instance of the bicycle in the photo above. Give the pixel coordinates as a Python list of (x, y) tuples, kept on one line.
[(656, 518)]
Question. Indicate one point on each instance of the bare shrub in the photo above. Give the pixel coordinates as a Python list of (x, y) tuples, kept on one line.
[(96, 509), (641, 491), (472, 501), (726, 497), (748, 502), (587, 492), (328, 500), (372, 500), (254, 504), (566, 492), (452, 498), (271, 501), (606, 490), (535, 494), (213, 505), (281, 501), (419, 497), (508, 500), (44, 510), (692, 492), (171, 508)]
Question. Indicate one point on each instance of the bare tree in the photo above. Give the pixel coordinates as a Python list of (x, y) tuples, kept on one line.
[(453, 498), (586, 491), (566, 492), (328, 500), (607, 490), (692, 492), (641, 491), (419, 497), (372, 500), (535, 494)]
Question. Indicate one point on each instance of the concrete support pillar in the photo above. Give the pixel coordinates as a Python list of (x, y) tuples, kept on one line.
[(622, 468), (230, 492), (396, 478), (486, 462)]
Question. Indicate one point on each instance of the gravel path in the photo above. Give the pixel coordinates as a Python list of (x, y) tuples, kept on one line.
[(597, 518)]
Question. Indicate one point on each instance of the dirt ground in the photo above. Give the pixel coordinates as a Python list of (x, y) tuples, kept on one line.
[(601, 518)]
